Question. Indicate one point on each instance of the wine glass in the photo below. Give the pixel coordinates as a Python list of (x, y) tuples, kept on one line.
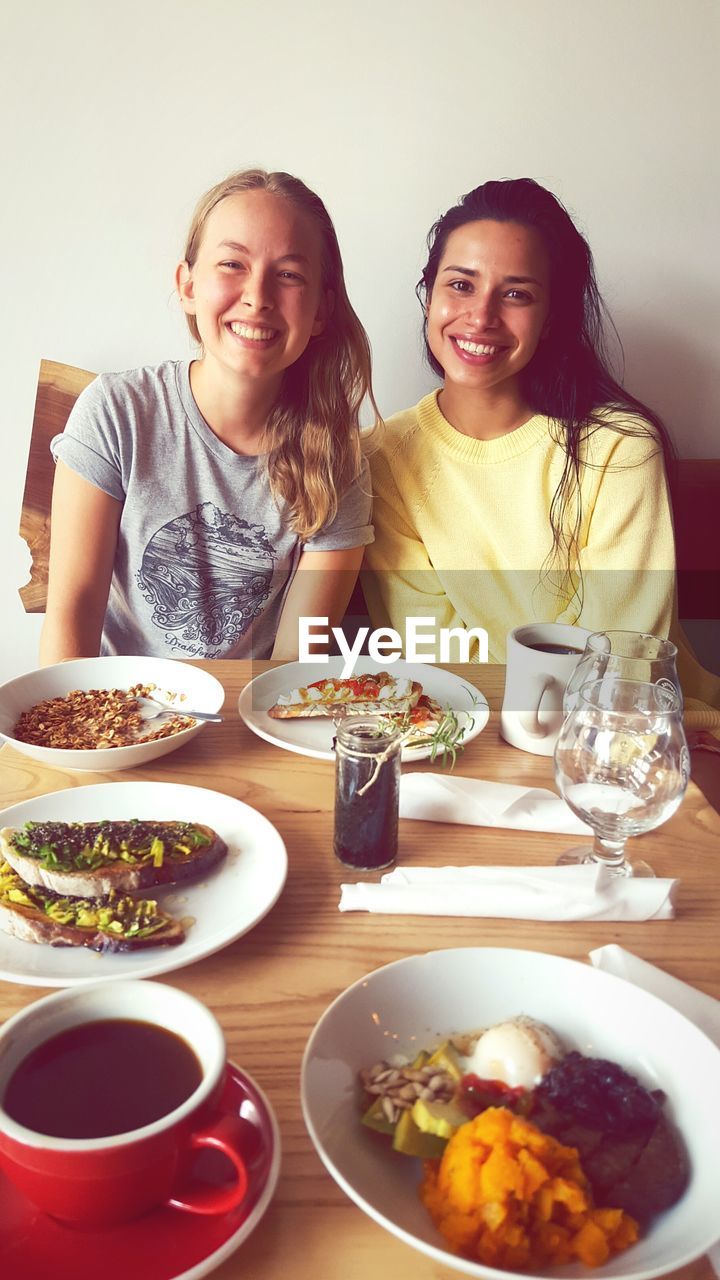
[(622, 764), (629, 655)]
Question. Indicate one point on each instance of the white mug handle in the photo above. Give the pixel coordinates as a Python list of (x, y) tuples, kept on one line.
[(530, 720)]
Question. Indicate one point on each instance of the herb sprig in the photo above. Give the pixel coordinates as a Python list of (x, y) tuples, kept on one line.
[(445, 739)]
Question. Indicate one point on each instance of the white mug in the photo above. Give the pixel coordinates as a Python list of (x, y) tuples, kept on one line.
[(541, 658)]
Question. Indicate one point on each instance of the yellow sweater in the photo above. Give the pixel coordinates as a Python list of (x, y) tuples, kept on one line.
[(462, 529)]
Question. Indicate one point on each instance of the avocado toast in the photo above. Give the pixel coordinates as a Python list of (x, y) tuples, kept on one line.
[(93, 859), (116, 922)]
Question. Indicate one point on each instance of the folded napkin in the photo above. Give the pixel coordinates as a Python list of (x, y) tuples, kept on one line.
[(438, 797), (701, 1009), (520, 893)]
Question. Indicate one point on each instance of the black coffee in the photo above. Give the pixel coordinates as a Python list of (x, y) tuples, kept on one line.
[(556, 648), (102, 1078)]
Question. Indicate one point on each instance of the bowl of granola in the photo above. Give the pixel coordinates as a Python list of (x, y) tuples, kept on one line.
[(91, 713)]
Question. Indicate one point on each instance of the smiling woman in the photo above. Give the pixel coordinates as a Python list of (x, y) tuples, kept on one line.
[(201, 508), (530, 486)]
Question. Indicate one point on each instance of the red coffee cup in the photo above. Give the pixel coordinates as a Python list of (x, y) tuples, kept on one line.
[(101, 1181)]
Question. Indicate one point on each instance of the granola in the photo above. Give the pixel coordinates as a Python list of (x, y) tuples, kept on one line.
[(91, 719)]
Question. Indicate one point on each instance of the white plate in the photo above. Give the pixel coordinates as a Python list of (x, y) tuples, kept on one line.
[(418, 1001), (224, 904), (315, 737)]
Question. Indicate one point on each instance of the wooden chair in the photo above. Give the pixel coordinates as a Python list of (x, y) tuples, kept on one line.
[(59, 386)]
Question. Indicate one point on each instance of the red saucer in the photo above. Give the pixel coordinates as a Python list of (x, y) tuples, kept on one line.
[(163, 1245)]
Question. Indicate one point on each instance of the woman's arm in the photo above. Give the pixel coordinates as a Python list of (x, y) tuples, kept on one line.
[(83, 540), (321, 588)]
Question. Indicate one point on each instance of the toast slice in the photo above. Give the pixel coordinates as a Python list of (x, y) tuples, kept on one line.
[(377, 694), (114, 923), (93, 859)]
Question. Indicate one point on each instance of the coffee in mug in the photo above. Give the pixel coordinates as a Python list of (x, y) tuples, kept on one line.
[(541, 658), (102, 1078), (106, 1092), (556, 648)]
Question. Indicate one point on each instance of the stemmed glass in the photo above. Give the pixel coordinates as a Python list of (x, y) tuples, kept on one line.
[(628, 655), (622, 764)]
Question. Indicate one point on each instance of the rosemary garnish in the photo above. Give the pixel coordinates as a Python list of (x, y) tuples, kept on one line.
[(445, 739)]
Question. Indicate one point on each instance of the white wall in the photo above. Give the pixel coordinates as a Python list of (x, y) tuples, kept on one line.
[(116, 118)]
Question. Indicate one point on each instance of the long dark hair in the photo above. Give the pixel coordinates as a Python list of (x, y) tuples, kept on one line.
[(569, 377)]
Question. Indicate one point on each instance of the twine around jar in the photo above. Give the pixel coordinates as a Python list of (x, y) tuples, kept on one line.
[(380, 760)]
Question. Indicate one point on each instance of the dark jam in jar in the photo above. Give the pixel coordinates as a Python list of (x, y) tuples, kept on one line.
[(367, 793)]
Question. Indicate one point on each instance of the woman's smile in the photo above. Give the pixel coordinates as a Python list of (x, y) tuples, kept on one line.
[(477, 353), (251, 335)]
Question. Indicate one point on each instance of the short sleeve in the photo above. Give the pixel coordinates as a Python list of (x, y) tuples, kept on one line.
[(90, 443), (352, 525)]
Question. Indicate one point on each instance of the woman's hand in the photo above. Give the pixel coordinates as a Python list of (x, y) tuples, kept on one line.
[(82, 554), (321, 588)]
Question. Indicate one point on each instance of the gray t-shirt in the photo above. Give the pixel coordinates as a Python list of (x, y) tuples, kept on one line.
[(204, 555)]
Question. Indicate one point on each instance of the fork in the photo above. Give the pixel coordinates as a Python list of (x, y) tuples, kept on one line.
[(150, 709)]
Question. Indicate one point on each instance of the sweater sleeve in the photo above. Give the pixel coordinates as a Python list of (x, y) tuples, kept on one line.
[(399, 580), (627, 555)]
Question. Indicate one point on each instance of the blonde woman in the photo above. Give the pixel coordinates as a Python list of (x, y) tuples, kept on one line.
[(202, 507)]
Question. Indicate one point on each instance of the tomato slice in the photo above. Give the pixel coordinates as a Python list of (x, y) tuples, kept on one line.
[(476, 1095)]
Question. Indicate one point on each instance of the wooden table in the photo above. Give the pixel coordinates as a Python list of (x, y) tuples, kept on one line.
[(269, 988)]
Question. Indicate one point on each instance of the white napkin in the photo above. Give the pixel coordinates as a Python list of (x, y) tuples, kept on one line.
[(701, 1009), (520, 893), (439, 797)]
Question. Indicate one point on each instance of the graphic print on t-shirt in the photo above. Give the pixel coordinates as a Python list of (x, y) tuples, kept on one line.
[(207, 575)]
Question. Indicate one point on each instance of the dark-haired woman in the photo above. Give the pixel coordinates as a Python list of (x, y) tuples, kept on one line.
[(530, 485)]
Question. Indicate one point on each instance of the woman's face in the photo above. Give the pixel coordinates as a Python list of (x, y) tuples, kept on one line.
[(489, 303), (255, 288)]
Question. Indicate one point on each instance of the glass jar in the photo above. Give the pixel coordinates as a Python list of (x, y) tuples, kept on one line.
[(367, 792)]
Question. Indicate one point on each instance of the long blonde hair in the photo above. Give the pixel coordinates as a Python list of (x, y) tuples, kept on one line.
[(313, 432)]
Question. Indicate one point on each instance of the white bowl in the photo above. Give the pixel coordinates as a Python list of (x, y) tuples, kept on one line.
[(198, 690), (415, 1003)]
